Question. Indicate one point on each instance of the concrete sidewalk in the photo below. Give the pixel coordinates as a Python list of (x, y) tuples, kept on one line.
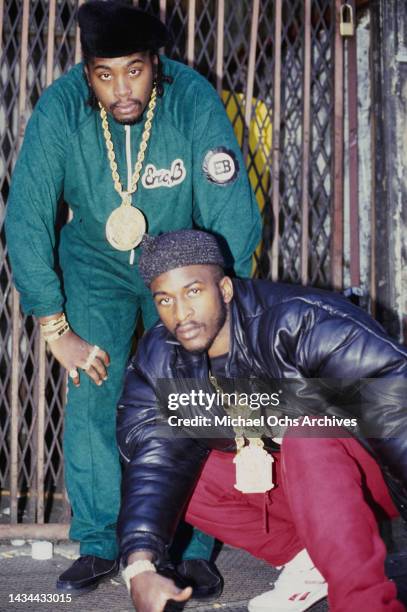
[(244, 577), (19, 573)]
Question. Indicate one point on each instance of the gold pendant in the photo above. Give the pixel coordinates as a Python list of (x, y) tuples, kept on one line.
[(125, 227), (253, 468)]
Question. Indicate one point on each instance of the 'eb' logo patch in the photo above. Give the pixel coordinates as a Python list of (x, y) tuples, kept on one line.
[(220, 166)]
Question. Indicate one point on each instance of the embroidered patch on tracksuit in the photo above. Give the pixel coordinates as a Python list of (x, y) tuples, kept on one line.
[(220, 166), (154, 177)]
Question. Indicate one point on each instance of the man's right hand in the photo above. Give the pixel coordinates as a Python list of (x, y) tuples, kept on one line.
[(72, 352), (150, 592)]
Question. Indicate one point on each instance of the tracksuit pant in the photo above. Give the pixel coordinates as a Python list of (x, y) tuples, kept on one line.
[(104, 300), (328, 497)]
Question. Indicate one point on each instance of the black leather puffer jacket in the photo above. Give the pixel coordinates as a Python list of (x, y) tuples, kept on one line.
[(278, 331)]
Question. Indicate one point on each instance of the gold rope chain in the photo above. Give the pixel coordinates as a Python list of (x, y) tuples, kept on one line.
[(140, 156)]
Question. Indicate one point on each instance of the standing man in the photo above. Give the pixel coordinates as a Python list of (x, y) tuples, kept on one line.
[(130, 140), (316, 510)]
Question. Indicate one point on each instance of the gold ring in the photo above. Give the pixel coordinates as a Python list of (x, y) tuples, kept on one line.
[(73, 373), (91, 357)]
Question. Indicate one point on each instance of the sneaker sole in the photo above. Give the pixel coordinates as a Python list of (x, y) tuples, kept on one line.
[(297, 606), (75, 592)]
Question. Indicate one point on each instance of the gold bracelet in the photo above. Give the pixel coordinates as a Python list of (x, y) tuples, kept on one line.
[(49, 337), (54, 329), (54, 324), (53, 332)]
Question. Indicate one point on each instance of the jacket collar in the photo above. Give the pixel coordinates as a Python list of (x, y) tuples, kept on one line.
[(239, 362)]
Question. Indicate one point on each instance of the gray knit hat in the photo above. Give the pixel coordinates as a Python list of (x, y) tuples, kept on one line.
[(177, 250)]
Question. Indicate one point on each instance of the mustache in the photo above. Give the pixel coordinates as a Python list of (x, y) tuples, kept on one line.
[(135, 101), (183, 325)]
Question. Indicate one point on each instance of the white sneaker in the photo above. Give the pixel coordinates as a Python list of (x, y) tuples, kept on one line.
[(298, 587)]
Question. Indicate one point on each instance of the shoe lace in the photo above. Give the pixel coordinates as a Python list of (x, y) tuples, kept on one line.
[(292, 576)]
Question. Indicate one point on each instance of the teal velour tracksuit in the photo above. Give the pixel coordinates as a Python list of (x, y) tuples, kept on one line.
[(193, 175)]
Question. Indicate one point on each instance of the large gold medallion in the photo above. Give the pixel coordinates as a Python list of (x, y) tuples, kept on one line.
[(253, 468), (125, 227)]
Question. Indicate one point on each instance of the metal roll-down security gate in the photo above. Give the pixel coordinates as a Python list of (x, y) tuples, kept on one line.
[(278, 66)]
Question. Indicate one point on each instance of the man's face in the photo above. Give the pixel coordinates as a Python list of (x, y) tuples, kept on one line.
[(193, 305), (123, 85)]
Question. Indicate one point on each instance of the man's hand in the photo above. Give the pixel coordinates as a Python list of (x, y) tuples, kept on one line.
[(150, 592), (72, 352)]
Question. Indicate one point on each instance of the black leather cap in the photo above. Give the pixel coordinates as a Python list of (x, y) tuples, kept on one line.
[(112, 28)]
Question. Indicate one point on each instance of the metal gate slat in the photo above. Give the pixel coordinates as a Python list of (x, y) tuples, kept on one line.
[(276, 141), (306, 137)]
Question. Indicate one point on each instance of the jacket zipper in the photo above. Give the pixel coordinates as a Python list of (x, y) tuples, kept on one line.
[(129, 173)]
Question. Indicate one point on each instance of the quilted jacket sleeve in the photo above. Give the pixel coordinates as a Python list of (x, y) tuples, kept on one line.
[(350, 346), (160, 470)]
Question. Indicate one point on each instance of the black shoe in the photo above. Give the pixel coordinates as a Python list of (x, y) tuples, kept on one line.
[(86, 573), (203, 576), (396, 570)]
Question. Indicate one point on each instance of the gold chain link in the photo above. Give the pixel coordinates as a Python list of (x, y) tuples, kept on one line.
[(140, 156)]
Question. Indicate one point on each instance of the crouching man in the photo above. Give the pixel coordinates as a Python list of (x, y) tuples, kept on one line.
[(319, 517)]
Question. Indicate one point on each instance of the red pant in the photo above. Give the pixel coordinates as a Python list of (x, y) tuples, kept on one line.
[(328, 497)]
